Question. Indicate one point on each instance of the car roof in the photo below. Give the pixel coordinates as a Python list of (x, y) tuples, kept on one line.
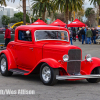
[(40, 27)]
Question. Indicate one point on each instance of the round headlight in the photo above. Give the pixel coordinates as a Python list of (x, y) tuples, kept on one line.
[(88, 57), (65, 58)]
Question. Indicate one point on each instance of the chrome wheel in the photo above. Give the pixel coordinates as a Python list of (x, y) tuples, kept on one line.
[(46, 74), (3, 65)]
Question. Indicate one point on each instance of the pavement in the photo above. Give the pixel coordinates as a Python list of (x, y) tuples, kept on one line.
[(63, 90)]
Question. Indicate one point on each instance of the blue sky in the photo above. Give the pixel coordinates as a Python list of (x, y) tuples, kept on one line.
[(17, 2)]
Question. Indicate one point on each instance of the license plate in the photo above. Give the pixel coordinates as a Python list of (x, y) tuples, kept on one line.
[(1, 45)]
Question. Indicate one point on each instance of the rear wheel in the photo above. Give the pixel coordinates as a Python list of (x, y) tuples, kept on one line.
[(4, 66), (94, 80), (48, 74)]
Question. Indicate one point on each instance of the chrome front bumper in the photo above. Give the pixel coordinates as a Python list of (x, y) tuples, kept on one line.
[(78, 76)]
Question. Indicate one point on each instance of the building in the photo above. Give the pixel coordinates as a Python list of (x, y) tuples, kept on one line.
[(6, 11)]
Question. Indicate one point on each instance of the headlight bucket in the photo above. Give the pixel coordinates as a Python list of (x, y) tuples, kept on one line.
[(65, 58), (88, 57)]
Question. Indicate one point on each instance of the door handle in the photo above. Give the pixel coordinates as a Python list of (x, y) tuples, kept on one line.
[(31, 49)]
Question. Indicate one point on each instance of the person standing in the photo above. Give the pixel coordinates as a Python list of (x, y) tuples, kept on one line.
[(94, 35), (71, 35), (86, 28), (74, 34), (89, 35), (79, 34), (82, 32), (7, 36), (96, 32)]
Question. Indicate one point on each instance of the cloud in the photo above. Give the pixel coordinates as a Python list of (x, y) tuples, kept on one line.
[(87, 4), (87, 1), (12, 8)]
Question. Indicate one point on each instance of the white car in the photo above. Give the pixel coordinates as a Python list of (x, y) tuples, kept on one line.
[(98, 40)]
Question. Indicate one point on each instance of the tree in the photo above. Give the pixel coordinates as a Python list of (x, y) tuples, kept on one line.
[(41, 6), (14, 20), (20, 16), (3, 2), (24, 10), (96, 2), (90, 14), (59, 16), (80, 14), (5, 20), (68, 5), (89, 11)]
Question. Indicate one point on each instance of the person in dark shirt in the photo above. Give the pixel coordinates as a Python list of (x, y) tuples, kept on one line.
[(74, 34), (7, 36), (82, 32), (79, 34), (94, 35)]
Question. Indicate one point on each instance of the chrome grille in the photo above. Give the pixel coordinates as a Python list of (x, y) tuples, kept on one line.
[(73, 67)]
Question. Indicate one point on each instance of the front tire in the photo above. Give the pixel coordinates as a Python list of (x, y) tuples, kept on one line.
[(48, 74), (4, 66), (94, 80)]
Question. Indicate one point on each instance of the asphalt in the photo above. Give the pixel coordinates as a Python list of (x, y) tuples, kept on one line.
[(63, 90)]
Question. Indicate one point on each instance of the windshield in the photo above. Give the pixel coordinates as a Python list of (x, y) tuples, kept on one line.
[(51, 35)]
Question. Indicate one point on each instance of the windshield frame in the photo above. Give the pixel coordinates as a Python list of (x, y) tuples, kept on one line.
[(51, 39)]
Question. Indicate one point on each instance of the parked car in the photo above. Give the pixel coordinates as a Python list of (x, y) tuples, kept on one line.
[(46, 50), (98, 28), (98, 32), (98, 40)]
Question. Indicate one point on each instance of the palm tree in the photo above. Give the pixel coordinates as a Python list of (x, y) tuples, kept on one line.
[(96, 2), (90, 15), (24, 9), (69, 5), (89, 11), (41, 6), (3, 2)]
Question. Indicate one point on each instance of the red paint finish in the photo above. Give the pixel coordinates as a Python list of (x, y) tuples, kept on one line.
[(87, 67), (27, 55)]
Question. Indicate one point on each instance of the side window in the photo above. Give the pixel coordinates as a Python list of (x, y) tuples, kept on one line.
[(24, 35)]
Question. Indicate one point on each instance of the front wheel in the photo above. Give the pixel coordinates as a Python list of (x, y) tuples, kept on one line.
[(4, 66), (48, 74), (94, 80)]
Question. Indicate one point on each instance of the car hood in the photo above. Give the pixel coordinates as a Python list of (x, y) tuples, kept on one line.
[(57, 51), (59, 46)]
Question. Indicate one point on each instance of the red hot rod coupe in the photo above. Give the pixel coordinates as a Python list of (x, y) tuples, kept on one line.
[(46, 50)]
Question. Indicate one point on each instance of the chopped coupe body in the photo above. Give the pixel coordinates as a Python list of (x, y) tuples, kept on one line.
[(46, 50)]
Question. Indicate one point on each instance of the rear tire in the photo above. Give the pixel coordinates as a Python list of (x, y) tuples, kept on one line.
[(94, 80), (48, 74), (4, 66)]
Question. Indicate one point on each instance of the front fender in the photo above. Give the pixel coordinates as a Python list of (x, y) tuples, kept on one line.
[(87, 67), (51, 62), (10, 59)]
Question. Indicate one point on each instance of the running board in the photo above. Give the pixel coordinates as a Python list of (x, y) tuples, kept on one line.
[(19, 71), (78, 76)]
